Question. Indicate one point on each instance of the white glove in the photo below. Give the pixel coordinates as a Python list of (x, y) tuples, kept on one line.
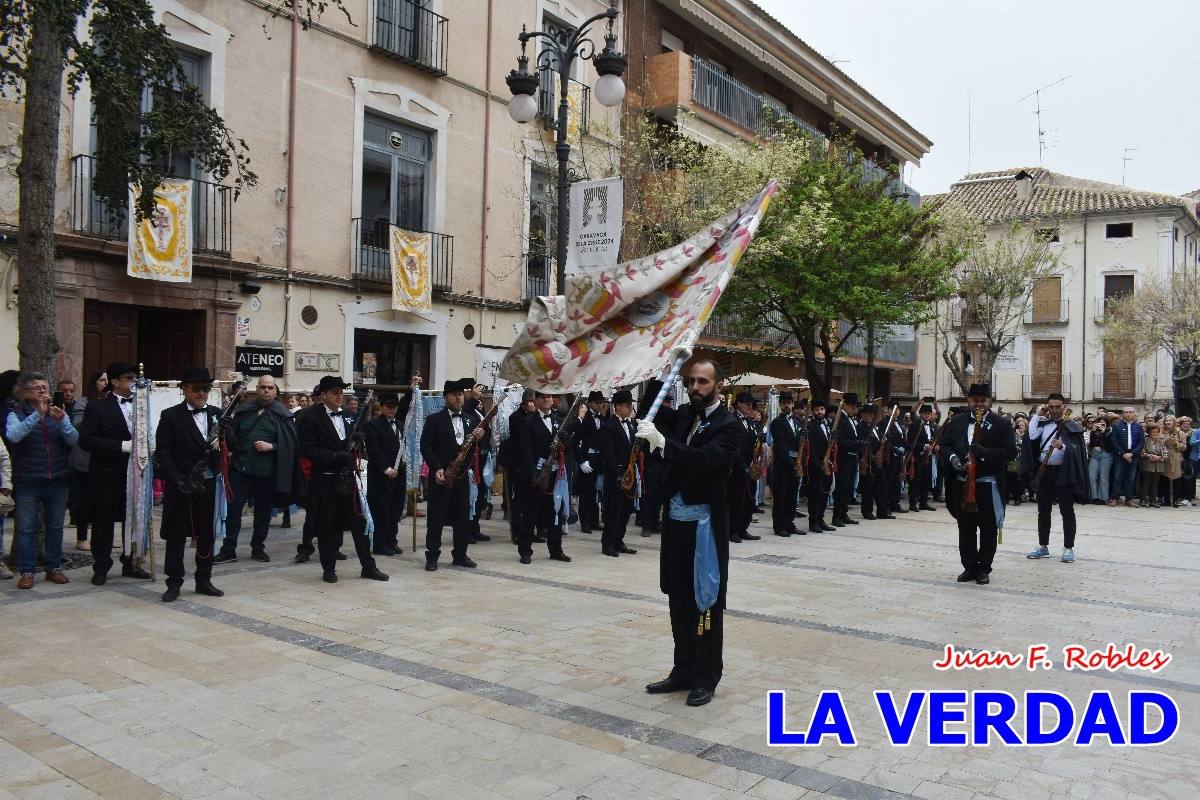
[(585, 468), (653, 437), (127, 447)]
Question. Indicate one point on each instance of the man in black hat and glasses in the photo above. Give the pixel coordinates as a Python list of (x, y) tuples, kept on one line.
[(444, 435), (333, 501), (386, 471), (182, 441), (990, 449), (589, 461)]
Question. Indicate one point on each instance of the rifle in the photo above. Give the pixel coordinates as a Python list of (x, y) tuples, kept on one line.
[(884, 456), (343, 482), (544, 479), (193, 482), (455, 469), (1066, 417), (937, 438), (831, 449), (970, 503)]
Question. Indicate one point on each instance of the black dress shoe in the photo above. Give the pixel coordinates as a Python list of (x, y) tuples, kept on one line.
[(170, 595), (560, 556), (526, 560), (224, 558), (848, 521), (99, 580), (869, 516), (462, 561), (260, 555), (301, 558), (750, 537), (827, 528), (609, 551), (792, 529), (431, 566), (482, 537), (209, 590), (901, 510), (626, 550), (885, 516), (665, 686), (837, 523), (783, 533), (913, 509), (735, 539), (585, 529), (699, 697), (136, 572), (967, 576), (373, 574), (983, 580), (816, 530), (339, 556), (329, 576), (927, 507), (800, 515)]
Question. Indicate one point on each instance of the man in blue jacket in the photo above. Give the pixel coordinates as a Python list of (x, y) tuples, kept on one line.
[(1127, 438)]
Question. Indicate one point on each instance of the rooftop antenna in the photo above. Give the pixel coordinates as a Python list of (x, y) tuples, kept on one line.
[(1036, 94), (1125, 159)]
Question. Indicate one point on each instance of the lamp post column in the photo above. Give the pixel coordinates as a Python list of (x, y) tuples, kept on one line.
[(562, 149)]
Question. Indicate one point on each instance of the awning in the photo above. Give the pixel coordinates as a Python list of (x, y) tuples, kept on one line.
[(756, 379)]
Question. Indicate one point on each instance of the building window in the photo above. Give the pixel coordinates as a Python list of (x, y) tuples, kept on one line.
[(396, 190), (543, 212), (1118, 286), (1118, 230), (1047, 368), (1047, 300)]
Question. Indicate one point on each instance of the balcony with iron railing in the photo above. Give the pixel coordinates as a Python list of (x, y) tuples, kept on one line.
[(370, 257), (1037, 387), (211, 211), (579, 103), (1050, 313), (411, 33), (539, 269), (1119, 384), (731, 328)]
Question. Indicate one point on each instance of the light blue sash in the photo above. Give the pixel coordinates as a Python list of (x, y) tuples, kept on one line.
[(706, 569)]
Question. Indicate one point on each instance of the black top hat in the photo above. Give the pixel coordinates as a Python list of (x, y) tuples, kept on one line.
[(595, 396), (785, 397), (622, 396), (744, 397), (925, 408), (119, 368), (389, 399), (452, 386), (850, 399), (869, 408), (331, 382), (984, 389), (195, 375)]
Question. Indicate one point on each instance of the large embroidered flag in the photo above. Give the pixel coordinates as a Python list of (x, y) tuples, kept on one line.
[(409, 254), (623, 325), (160, 246)]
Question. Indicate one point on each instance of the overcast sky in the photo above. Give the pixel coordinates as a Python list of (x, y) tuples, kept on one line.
[(1134, 84)]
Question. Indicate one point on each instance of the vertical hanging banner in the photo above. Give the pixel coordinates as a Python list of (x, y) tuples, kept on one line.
[(160, 246), (409, 255), (594, 240)]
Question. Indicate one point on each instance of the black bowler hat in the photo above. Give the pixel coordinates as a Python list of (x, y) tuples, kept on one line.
[(744, 397), (850, 399), (786, 397), (331, 382), (596, 397), (119, 368), (195, 375), (389, 399), (977, 389), (622, 396), (869, 408), (452, 386), (925, 408)]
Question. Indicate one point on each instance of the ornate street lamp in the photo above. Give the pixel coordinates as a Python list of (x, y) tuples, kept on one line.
[(560, 54)]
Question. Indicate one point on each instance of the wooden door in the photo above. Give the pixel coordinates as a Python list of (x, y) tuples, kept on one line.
[(1047, 300), (170, 341), (1119, 370), (1047, 368), (110, 333)]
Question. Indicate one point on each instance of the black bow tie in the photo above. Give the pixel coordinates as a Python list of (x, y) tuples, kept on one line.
[(125, 399), (456, 416), (545, 416), (335, 413), (199, 410)]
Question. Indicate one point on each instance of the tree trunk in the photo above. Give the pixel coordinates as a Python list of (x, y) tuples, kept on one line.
[(37, 337), (817, 388)]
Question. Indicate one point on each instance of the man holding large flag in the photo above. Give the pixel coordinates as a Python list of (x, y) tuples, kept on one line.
[(626, 325)]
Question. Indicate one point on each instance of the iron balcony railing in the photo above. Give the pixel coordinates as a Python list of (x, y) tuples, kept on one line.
[(1121, 384), (1036, 387), (580, 98), (370, 259), (538, 269), (1047, 313), (211, 211), (408, 31), (731, 328)]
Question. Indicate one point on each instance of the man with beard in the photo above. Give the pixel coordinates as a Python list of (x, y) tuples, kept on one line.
[(1057, 441), (588, 458), (991, 451), (872, 485), (786, 438), (473, 410), (694, 561), (547, 512), (920, 439), (386, 471), (444, 435), (616, 443), (740, 487), (516, 484), (818, 481), (181, 442), (849, 438)]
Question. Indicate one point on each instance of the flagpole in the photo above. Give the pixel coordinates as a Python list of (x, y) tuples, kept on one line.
[(668, 384)]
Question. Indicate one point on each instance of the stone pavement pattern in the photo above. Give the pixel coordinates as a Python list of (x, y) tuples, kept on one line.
[(527, 682)]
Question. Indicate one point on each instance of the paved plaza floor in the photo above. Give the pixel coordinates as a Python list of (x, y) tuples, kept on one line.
[(514, 681)]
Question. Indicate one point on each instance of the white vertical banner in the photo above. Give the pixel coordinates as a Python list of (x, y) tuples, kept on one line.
[(160, 246), (594, 231)]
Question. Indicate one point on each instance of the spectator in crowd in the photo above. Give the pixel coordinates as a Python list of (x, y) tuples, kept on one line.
[(1153, 461), (10, 395), (1100, 460), (292, 401), (1163, 411), (40, 436), (1127, 437), (1015, 482), (350, 410), (1186, 490), (5, 504), (74, 406), (1194, 441), (1173, 471)]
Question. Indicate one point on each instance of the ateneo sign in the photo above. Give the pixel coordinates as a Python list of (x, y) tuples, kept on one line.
[(259, 361)]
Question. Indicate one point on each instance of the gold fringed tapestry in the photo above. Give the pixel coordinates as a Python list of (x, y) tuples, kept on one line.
[(160, 246)]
